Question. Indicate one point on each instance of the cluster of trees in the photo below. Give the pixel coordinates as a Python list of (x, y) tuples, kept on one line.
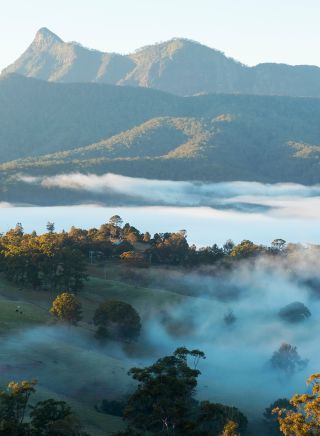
[(58, 261), (113, 319), (164, 401), (46, 418), (51, 260)]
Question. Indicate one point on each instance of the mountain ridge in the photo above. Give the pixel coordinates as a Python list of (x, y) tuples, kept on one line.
[(99, 128), (179, 66)]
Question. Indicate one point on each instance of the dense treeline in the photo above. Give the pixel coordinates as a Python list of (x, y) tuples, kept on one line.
[(58, 261)]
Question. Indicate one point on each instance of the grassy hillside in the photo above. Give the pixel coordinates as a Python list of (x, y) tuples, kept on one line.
[(68, 362)]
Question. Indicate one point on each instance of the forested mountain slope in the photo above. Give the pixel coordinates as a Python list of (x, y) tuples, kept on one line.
[(54, 128)]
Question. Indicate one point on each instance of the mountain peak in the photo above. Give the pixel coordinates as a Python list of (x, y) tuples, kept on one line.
[(44, 37)]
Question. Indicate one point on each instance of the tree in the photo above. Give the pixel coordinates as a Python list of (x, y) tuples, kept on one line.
[(50, 227), (209, 255), (278, 244), (294, 312), (164, 402), (117, 320), (146, 237), (303, 418), (218, 419), (54, 418), (50, 260), (67, 308), (71, 271), (230, 318), (134, 258), (115, 223), (131, 237), (164, 396), (246, 249), (270, 417), (131, 234), (170, 248), (116, 220), (288, 360), (18, 230), (13, 407), (47, 418), (230, 429), (228, 246)]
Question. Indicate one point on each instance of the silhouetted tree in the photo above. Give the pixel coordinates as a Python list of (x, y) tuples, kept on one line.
[(272, 419), (117, 320), (50, 227), (288, 360), (164, 402)]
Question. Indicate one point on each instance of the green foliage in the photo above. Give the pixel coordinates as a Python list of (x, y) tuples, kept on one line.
[(67, 307), (13, 407), (246, 249), (170, 248), (134, 258), (164, 402), (118, 320), (47, 418), (50, 260)]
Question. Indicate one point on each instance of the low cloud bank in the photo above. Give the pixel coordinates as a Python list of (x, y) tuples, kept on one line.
[(283, 199)]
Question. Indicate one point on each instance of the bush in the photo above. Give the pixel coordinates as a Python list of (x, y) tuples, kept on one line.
[(67, 308), (117, 320), (294, 312)]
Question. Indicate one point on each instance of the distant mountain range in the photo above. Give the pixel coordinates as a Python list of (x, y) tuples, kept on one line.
[(178, 66), (53, 128)]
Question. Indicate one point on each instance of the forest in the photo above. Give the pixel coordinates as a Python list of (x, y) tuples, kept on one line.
[(186, 286)]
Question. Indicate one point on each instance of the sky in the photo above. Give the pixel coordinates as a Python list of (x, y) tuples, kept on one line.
[(251, 31)]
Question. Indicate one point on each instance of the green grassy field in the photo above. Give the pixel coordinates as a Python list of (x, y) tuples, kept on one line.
[(68, 361)]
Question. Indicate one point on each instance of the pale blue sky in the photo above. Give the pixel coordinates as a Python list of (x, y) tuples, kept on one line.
[(251, 31)]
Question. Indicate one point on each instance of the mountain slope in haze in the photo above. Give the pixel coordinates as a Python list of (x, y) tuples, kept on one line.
[(178, 66), (163, 137), (38, 117), (51, 128), (189, 149)]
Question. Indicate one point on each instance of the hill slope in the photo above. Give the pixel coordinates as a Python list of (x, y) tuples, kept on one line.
[(179, 66), (38, 117), (50, 128)]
